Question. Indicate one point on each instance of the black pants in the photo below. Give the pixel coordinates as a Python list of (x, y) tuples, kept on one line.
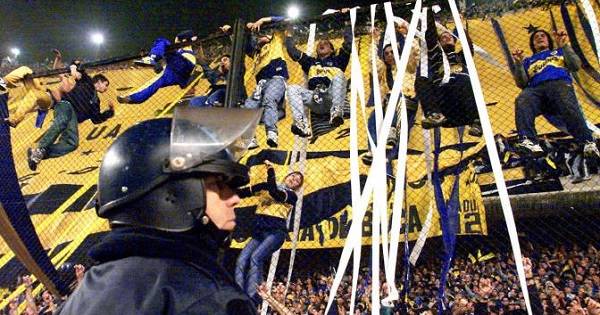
[(454, 99)]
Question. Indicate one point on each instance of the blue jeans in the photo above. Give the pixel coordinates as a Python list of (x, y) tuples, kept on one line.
[(166, 78), (209, 100), (411, 113), (64, 126), (253, 258), (272, 94), (551, 97), (334, 100)]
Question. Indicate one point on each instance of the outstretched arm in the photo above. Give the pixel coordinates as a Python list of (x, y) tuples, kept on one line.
[(59, 64), (290, 46), (27, 281), (275, 192), (520, 76), (348, 36), (57, 59), (79, 273), (255, 27), (279, 195), (263, 292), (572, 61), (536, 302), (74, 71), (431, 35)]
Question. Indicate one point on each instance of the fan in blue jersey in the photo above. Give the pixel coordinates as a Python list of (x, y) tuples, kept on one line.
[(180, 64), (548, 89), (275, 205), (270, 71), (326, 90)]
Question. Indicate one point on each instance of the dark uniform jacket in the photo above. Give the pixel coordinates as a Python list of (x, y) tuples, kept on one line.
[(144, 271)]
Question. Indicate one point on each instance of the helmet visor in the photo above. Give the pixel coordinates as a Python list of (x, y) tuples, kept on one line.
[(199, 133)]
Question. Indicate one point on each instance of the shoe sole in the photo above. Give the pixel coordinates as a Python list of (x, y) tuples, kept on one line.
[(529, 153), (272, 143), (124, 100), (7, 122), (141, 63), (392, 143), (32, 165), (336, 121), (298, 132), (476, 134), (431, 125)]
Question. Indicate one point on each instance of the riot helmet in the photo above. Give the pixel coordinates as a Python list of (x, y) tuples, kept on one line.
[(153, 174)]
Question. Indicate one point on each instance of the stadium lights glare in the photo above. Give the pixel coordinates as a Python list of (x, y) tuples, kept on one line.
[(97, 38), (293, 12), (15, 51)]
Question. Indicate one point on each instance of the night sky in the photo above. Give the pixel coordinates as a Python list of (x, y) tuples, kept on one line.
[(129, 26)]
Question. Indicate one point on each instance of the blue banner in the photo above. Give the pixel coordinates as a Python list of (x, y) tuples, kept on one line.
[(16, 210), (448, 212), (502, 39)]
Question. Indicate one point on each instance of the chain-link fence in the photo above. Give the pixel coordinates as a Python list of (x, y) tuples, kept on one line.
[(453, 222)]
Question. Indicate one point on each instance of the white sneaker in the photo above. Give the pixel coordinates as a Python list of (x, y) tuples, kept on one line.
[(272, 139), (253, 144), (337, 117), (591, 150), (300, 128), (528, 147), (145, 61), (433, 120), (34, 157)]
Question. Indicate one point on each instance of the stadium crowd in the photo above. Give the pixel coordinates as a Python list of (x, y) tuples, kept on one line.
[(566, 281)]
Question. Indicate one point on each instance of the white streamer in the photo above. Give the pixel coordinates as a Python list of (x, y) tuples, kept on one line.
[(424, 51), (359, 202), (302, 143), (446, 64), (401, 65), (494, 159), (589, 11)]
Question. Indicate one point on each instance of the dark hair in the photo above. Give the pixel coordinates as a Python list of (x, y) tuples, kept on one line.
[(550, 40), (301, 179), (186, 35), (100, 77), (383, 50)]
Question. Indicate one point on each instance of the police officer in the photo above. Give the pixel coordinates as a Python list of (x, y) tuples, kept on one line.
[(166, 187)]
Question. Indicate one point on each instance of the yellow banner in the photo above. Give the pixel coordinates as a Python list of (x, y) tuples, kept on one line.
[(333, 231)]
